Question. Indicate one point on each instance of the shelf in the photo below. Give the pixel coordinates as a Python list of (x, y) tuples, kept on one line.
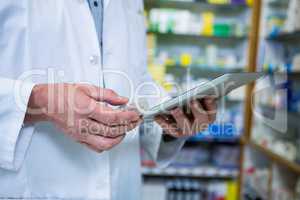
[(193, 37), (286, 37), (294, 167), (293, 117), (196, 172), (234, 140), (290, 75), (201, 72), (279, 4), (283, 73), (195, 5)]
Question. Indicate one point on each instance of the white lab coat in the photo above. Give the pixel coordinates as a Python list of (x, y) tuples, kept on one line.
[(56, 41)]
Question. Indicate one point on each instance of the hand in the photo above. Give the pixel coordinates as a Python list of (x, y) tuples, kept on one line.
[(82, 111), (192, 120)]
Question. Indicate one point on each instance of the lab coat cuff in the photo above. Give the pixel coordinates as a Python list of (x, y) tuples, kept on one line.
[(162, 152), (168, 150), (15, 137)]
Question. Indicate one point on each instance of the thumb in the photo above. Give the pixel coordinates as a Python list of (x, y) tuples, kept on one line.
[(107, 95)]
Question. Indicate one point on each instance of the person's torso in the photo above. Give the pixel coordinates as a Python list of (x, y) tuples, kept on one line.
[(56, 41)]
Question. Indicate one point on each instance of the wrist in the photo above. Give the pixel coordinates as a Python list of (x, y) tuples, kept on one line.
[(38, 103)]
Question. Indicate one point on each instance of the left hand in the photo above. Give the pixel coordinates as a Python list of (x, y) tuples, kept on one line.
[(192, 120)]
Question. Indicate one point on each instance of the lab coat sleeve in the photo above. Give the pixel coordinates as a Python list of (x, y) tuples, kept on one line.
[(161, 152), (152, 134), (14, 136)]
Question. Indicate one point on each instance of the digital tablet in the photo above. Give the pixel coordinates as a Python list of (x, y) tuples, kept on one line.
[(215, 88)]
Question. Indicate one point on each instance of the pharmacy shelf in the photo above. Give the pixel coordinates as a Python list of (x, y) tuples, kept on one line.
[(283, 73), (286, 37), (292, 166), (278, 4), (194, 37), (195, 172), (194, 5), (292, 117), (202, 72), (291, 75), (233, 140)]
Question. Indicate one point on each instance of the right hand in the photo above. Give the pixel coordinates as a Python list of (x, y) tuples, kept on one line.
[(82, 112)]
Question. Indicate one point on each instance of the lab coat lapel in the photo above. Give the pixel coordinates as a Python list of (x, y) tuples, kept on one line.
[(116, 74), (106, 2)]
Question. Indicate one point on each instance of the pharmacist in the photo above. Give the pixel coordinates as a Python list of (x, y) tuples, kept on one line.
[(60, 137)]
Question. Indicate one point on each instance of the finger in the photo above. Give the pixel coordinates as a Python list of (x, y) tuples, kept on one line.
[(111, 117), (210, 106), (115, 131), (105, 95), (168, 118), (91, 147), (89, 126), (201, 120), (123, 129), (170, 128), (182, 121), (102, 143), (200, 115), (96, 128), (70, 131)]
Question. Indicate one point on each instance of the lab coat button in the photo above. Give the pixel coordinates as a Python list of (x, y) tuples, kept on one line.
[(94, 60)]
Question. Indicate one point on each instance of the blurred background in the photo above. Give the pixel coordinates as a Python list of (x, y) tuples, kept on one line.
[(252, 151)]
